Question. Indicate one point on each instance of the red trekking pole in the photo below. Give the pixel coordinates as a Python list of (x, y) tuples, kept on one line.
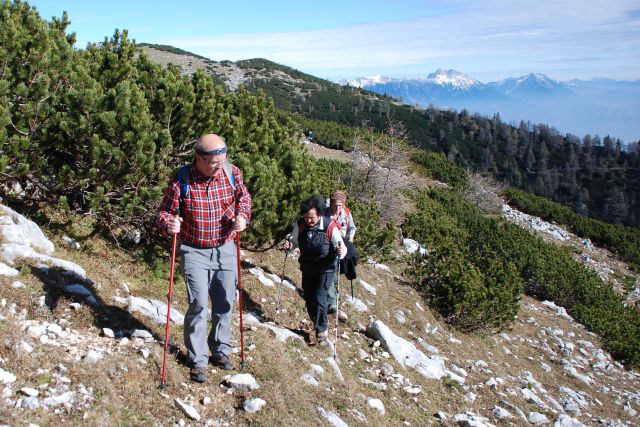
[(163, 383), (240, 301)]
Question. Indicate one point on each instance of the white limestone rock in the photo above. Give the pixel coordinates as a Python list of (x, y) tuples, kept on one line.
[(531, 397), (413, 389), (406, 353), (377, 405), (471, 420), (60, 399), (28, 391), (256, 271), (243, 382), (5, 270), (470, 397), (142, 333), (316, 369), (30, 402), (7, 377), (378, 266), (491, 383), (26, 347), (10, 252), (377, 386), (565, 420), (629, 410), (454, 340), (458, 370), (336, 369), (281, 334), (574, 373), (430, 348), (501, 413), (575, 396), (372, 290), (332, 418), (36, 331), (571, 408), (154, 309), (55, 329), (265, 281), (309, 379), (253, 405), (411, 246), (356, 303), (276, 279), (188, 410), (70, 242), (457, 378), (92, 356), (15, 228), (560, 311), (537, 418)]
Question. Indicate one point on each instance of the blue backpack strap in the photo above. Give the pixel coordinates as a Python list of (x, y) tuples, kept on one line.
[(228, 171), (183, 182)]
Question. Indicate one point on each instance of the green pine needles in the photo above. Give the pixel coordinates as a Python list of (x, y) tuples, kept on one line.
[(101, 130)]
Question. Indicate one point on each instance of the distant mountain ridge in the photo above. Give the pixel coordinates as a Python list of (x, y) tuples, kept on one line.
[(532, 83), (597, 106), (591, 174), (451, 78)]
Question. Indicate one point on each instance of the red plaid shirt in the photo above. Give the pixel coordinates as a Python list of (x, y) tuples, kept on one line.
[(207, 208)]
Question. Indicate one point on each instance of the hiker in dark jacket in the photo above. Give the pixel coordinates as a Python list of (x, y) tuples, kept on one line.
[(320, 242), (214, 205)]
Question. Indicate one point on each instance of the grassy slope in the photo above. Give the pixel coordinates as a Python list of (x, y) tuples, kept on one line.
[(125, 389)]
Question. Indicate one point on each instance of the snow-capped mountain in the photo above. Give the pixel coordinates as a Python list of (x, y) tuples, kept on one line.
[(596, 106), (443, 87), (454, 79), (531, 84), (361, 82)]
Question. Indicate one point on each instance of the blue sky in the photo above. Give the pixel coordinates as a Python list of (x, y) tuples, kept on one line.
[(489, 40)]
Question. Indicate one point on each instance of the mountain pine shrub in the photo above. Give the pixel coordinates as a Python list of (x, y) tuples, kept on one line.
[(470, 297), (622, 239), (437, 166), (100, 131), (548, 272), (471, 290)]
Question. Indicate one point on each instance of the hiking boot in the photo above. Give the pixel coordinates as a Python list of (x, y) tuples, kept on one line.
[(331, 310), (222, 361), (322, 337), (198, 375)]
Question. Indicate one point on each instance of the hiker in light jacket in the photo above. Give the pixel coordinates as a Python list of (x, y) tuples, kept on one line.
[(339, 212), (214, 204), (320, 241)]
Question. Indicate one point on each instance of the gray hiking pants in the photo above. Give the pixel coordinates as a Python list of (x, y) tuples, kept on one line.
[(209, 273)]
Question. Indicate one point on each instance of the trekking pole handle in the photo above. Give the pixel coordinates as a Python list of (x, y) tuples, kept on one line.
[(288, 240)]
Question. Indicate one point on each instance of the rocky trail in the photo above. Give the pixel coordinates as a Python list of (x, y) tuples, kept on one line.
[(68, 357)]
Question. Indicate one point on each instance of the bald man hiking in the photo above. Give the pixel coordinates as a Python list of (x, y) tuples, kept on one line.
[(213, 205)]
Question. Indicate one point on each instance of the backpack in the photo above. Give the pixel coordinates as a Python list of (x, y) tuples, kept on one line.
[(183, 179), (316, 252)]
